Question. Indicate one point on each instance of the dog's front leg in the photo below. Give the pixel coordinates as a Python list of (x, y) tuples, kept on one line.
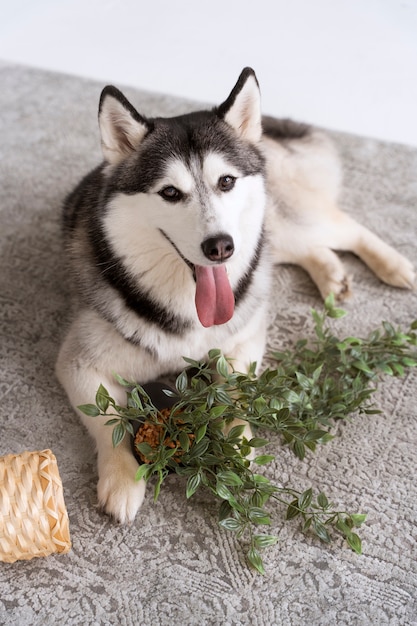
[(119, 494), (248, 348)]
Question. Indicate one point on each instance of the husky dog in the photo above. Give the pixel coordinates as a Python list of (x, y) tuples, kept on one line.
[(171, 241)]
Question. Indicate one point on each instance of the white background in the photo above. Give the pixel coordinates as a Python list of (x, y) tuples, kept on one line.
[(344, 64)]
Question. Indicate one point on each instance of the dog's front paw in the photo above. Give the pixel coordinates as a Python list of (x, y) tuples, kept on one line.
[(119, 494), (339, 286)]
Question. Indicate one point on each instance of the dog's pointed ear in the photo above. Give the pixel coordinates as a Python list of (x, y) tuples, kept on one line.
[(242, 109), (122, 128)]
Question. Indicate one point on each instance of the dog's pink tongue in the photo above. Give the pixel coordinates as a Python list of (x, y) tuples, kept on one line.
[(214, 299)]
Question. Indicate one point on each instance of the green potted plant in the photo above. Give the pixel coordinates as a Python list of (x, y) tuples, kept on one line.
[(190, 428)]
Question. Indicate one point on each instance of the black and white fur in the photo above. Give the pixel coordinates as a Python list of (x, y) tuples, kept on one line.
[(188, 196)]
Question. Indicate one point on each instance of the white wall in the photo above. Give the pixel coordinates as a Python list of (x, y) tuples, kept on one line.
[(345, 64)]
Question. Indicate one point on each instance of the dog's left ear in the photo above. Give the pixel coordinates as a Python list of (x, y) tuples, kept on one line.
[(122, 128), (242, 109)]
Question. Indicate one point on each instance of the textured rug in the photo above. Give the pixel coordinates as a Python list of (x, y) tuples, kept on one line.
[(175, 565)]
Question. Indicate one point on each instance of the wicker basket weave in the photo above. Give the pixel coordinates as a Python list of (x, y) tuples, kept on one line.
[(33, 517)]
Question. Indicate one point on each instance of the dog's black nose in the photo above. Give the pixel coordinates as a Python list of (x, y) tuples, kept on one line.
[(218, 248)]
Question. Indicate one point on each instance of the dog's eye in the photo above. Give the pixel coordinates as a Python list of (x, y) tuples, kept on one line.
[(170, 193), (226, 183)]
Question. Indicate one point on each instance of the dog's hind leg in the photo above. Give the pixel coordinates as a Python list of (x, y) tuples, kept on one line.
[(388, 264), (339, 231), (311, 245), (327, 272), (306, 224)]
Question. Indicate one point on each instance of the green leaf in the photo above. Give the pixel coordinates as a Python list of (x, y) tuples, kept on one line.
[(299, 449), (362, 366), (358, 519), (343, 527), (158, 485), (144, 472), (223, 492), (372, 411), (314, 435), (89, 409), (326, 438), (389, 329), (102, 399), (259, 405), (279, 356), (283, 414), (258, 479), (264, 541), (292, 510), (329, 302), (184, 440), (305, 498), (398, 369), (214, 354), (223, 397), (257, 442), (229, 478), (336, 313), (201, 432), (236, 432), (225, 510), (217, 411), (304, 382), (255, 560), (355, 542), (321, 531), (118, 434), (181, 382), (122, 381), (198, 449), (386, 369), (136, 399), (192, 362), (245, 451), (129, 428), (354, 341), (222, 367), (291, 397), (263, 459), (145, 449), (259, 516), (192, 484), (322, 501), (230, 523)]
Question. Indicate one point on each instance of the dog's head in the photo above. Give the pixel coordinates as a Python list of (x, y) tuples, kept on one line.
[(198, 179)]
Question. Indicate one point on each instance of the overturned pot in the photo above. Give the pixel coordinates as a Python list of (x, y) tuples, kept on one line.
[(145, 432)]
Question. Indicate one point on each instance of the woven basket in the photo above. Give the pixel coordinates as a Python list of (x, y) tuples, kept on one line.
[(33, 517)]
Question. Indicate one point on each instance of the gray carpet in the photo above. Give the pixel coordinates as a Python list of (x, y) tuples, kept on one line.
[(174, 565)]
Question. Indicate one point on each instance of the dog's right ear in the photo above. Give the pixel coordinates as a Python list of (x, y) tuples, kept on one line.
[(122, 128)]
